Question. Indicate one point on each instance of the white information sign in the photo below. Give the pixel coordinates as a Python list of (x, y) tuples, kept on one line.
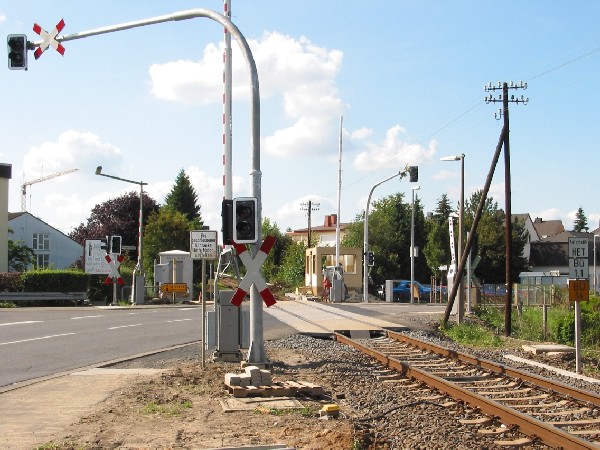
[(94, 258), (578, 258), (203, 244)]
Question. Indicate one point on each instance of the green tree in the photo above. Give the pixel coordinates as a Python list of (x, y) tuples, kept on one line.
[(580, 223), (166, 230), (116, 217), (291, 271), (183, 198), (274, 261), (491, 241), (389, 239), (437, 247), (20, 256)]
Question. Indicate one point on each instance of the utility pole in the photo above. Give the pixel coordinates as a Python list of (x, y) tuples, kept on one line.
[(309, 207), (507, 189)]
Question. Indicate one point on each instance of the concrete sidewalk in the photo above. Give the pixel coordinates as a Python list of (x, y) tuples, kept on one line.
[(33, 415)]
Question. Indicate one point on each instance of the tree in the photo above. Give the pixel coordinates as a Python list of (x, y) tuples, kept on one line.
[(580, 223), (166, 230), (20, 256), (491, 241), (389, 239), (291, 271), (437, 248), (183, 198), (274, 261), (116, 217)]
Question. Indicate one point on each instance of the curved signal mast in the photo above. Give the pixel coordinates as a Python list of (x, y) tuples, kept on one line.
[(39, 180)]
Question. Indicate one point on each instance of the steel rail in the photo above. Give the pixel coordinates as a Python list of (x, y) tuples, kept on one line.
[(530, 426), (538, 381)]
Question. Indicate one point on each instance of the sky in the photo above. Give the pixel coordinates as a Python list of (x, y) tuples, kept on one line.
[(351, 92)]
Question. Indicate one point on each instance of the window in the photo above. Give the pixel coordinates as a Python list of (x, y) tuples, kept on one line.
[(41, 241), (348, 262), (42, 261)]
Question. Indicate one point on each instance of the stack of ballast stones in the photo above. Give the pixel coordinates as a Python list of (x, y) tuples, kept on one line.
[(252, 376)]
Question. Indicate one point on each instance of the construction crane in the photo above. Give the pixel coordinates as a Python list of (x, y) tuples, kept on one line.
[(39, 180)]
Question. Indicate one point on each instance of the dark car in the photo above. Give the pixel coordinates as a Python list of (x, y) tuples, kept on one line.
[(401, 291)]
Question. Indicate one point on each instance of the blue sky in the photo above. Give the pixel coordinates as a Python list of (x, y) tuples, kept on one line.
[(407, 76)]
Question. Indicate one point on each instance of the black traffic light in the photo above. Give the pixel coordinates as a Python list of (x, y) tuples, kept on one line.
[(227, 221), (104, 244), (17, 51), (245, 223), (371, 259), (115, 245), (413, 172)]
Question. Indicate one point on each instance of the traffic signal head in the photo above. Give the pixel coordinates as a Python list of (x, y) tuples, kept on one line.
[(371, 259), (245, 220), (115, 245), (104, 244), (17, 51), (413, 172)]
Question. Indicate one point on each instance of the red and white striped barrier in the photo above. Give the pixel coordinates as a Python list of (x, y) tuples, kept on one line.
[(253, 275)]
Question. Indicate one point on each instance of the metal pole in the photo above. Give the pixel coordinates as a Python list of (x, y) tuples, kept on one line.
[(366, 237), (412, 246), (339, 195), (203, 333)]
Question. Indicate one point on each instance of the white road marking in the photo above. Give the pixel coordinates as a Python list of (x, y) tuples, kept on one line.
[(178, 320), (36, 339), (20, 323), (126, 326), (86, 317)]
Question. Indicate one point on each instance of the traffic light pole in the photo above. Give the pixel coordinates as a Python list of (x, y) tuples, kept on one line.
[(257, 353)]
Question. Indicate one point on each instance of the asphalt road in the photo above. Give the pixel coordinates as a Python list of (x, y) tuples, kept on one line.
[(40, 342), (37, 342)]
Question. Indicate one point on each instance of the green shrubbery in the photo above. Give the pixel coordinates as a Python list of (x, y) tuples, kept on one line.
[(560, 323)]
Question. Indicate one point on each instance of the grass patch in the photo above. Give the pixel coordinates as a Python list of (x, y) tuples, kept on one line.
[(304, 412), (167, 410), (473, 335), (7, 305)]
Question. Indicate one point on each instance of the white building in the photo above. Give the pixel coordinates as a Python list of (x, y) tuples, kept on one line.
[(52, 248)]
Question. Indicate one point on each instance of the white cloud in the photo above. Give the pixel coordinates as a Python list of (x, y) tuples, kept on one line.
[(393, 152), (361, 133), (547, 214), (445, 174), (2, 17), (301, 73), (72, 150)]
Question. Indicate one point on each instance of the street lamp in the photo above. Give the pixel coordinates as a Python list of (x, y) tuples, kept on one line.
[(595, 236), (137, 292), (366, 237), (412, 245), (461, 298)]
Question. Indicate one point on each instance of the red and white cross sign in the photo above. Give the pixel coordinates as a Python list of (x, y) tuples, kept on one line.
[(49, 39), (253, 275), (114, 269)]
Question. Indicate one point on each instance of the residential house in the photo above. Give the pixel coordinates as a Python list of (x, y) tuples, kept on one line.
[(52, 248), (320, 236)]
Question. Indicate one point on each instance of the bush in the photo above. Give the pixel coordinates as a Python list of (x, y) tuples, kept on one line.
[(10, 282), (55, 281)]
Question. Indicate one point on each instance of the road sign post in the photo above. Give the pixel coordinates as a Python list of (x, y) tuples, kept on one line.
[(579, 288)]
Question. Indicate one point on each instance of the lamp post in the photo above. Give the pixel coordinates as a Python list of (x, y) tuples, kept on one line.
[(595, 236), (366, 237), (137, 294), (461, 213), (412, 245)]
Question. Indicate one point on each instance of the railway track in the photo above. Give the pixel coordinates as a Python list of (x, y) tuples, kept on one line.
[(546, 410)]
